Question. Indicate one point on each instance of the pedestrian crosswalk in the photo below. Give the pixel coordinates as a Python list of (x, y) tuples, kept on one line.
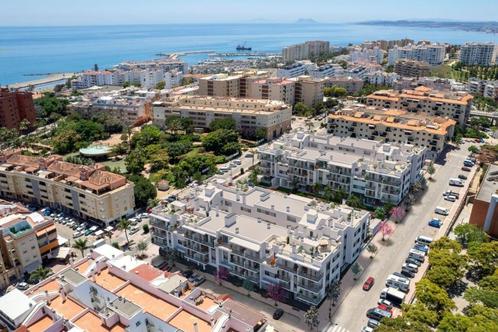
[(337, 328)]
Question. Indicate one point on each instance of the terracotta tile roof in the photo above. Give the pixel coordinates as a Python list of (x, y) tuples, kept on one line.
[(67, 309), (147, 272), (91, 322), (41, 325), (185, 322)]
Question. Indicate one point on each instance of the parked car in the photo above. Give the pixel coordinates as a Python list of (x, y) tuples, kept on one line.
[(237, 162), (451, 193), (411, 267), (437, 223), (278, 314), (462, 177), (407, 273), (78, 234), (171, 198), (373, 323), (187, 273), (442, 210), (368, 284), (133, 230), (22, 285), (421, 247), (450, 198), (367, 329), (413, 261), (385, 302), (466, 169)]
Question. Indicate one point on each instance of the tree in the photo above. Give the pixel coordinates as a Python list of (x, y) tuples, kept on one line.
[(39, 274), (334, 292), (143, 189), (443, 276), (216, 140), (135, 161), (145, 228), (223, 123), (473, 149), (468, 233), (484, 256), (275, 292), (302, 109), (222, 274), (81, 245), (356, 270), (454, 323), (397, 213), (386, 229), (142, 247), (487, 297), (311, 318), (354, 201), (372, 249), (253, 177), (160, 85), (124, 225), (434, 297), (380, 213), (173, 124), (431, 169), (248, 285), (335, 91), (418, 312)]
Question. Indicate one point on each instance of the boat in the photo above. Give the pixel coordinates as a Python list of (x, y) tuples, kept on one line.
[(243, 47)]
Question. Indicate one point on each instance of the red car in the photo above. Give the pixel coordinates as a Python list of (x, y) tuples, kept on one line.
[(385, 308), (368, 284)]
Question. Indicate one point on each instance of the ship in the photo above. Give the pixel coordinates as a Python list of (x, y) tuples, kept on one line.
[(243, 47)]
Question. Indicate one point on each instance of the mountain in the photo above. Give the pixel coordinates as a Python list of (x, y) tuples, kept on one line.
[(488, 27), (306, 21)]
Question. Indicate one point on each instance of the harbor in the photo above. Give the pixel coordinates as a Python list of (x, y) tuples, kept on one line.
[(41, 84)]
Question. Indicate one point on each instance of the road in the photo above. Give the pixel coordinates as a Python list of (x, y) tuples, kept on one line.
[(351, 312)]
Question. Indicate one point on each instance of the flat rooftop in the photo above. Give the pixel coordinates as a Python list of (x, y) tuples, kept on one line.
[(423, 93), (150, 303), (489, 185), (185, 322), (41, 325), (66, 308), (394, 118), (108, 280), (93, 323)]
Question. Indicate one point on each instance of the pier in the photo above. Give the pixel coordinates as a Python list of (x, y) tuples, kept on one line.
[(50, 79)]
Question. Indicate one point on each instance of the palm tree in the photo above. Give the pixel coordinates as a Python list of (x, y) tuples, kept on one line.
[(39, 274), (81, 245), (124, 225)]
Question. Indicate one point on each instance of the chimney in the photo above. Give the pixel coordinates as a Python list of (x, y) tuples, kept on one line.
[(230, 219), (287, 209)]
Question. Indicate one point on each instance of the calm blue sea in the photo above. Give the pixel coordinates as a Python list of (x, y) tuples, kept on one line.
[(35, 50)]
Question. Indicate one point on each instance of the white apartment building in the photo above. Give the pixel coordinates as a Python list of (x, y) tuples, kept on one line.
[(488, 89), (110, 291), (292, 70), (482, 54), (323, 71), (146, 78), (433, 54), (392, 126), (455, 105), (126, 106), (378, 172), (305, 51), (380, 77), (249, 114), (263, 236), (367, 55)]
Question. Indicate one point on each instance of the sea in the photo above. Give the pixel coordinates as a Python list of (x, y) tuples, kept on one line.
[(29, 53)]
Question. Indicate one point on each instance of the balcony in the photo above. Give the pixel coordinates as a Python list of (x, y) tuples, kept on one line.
[(309, 299), (312, 276), (311, 286)]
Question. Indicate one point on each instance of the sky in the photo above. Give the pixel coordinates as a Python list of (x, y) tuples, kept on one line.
[(112, 12)]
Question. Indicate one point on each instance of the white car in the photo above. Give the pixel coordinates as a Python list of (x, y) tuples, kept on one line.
[(450, 198), (133, 230), (77, 234), (237, 162)]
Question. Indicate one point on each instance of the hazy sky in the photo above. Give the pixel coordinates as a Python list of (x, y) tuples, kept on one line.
[(96, 12)]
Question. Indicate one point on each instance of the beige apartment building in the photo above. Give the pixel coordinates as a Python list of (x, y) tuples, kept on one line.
[(89, 192), (411, 68), (393, 126), (25, 239), (305, 51), (259, 85), (455, 105), (249, 114)]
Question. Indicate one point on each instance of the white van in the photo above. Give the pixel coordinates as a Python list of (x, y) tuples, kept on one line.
[(456, 182), (442, 210), (402, 284), (424, 240)]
